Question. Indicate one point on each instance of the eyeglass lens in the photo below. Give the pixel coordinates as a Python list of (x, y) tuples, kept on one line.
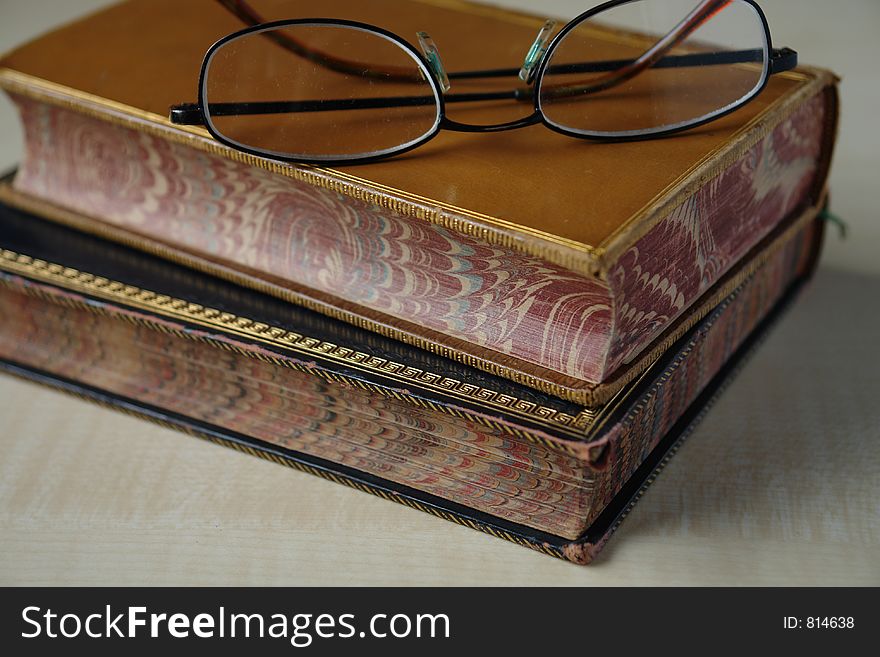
[(318, 91), (694, 65)]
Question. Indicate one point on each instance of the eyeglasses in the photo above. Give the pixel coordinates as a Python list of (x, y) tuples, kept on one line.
[(322, 91)]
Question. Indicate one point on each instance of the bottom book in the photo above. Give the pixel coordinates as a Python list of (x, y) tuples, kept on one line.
[(134, 332)]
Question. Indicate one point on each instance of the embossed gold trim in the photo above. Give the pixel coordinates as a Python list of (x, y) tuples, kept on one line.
[(308, 347)]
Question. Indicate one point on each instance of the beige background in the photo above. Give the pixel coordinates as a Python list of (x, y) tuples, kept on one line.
[(780, 484)]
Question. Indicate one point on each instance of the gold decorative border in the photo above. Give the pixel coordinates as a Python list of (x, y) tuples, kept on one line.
[(307, 347)]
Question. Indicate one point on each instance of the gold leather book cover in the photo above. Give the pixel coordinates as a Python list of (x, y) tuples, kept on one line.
[(563, 265), (245, 370)]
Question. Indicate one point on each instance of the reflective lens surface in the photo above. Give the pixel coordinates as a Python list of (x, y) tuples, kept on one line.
[(648, 66), (319, 91)]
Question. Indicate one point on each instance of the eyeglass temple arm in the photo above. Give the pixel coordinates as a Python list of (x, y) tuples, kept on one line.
[(781, 59), (248, 15), (191, 113), (690, 23), (242, 10)]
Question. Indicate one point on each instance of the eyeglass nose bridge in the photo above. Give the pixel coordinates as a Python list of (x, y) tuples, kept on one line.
[(537, 51)]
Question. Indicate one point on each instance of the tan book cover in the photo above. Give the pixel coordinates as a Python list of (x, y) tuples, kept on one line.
[(567, 266)]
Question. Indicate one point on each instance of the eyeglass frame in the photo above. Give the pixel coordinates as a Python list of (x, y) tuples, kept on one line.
[(775, 61)]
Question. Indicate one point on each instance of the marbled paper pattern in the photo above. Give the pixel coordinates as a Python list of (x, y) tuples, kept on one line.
[(409, 269)]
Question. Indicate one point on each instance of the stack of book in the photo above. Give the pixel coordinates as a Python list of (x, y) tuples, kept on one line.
[(511, 331)]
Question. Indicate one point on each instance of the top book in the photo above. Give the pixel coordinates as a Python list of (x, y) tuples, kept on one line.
[(562, 264)]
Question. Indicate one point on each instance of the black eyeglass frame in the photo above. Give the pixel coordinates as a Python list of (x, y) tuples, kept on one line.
[(775, 61)]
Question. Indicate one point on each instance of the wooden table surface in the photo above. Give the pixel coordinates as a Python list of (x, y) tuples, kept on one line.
[(779, 485)]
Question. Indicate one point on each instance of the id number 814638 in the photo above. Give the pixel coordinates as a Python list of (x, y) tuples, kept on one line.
[(819, 622)]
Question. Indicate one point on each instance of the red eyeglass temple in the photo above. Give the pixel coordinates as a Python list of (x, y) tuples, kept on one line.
[(249, 16)]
